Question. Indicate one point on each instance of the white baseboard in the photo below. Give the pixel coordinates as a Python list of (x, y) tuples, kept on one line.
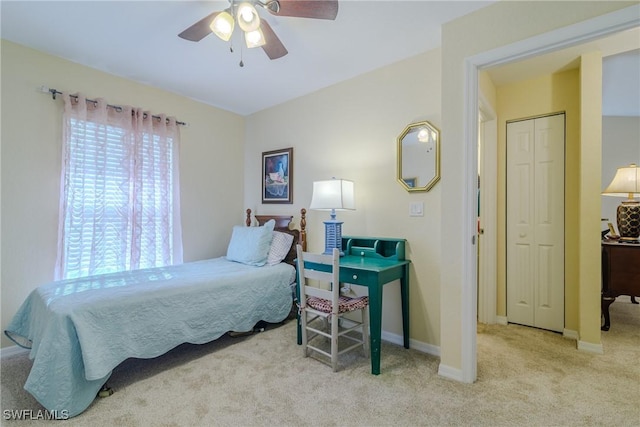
[(502, 320), (414, 344), (12, 351), (590, 347), (451, 373), (431, 349)]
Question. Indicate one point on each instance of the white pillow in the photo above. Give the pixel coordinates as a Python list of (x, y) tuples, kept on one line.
[(280, 245), (250, 245)]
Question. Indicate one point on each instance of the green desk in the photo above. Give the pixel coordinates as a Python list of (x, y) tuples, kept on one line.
[(374, 262)]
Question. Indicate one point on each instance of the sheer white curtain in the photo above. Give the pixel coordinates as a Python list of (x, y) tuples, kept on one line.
[(120, 202)]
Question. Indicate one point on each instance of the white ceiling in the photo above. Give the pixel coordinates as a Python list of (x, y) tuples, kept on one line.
[(138, 40)]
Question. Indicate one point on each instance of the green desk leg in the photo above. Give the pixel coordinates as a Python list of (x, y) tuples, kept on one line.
[(404, 295), (375, 326)]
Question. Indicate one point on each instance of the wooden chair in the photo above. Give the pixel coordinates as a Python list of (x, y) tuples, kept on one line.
[(316, 302)]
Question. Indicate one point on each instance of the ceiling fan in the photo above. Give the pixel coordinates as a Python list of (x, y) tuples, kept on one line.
[(258, 32)]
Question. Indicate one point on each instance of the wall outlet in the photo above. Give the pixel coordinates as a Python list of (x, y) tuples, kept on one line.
[(416, 209)]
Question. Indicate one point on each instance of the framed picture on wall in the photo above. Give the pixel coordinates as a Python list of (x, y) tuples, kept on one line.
[(277, 176)]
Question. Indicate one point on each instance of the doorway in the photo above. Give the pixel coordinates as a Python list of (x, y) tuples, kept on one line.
[(545, 43)]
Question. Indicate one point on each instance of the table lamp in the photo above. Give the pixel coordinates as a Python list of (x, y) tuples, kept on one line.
[(626, 183), (332, 195)]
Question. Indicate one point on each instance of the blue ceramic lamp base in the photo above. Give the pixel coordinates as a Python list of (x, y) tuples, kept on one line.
[(332, 236)]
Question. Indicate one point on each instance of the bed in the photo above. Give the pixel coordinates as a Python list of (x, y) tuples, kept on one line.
[(79, 330)]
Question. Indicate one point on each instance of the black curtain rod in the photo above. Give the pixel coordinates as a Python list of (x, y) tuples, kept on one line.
[(118, 108)]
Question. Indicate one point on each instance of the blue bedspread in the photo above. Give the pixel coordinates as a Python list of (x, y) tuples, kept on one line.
[(78, 330)]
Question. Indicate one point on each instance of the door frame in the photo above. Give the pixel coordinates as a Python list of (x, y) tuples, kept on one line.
[(488, 235), (559, 38)]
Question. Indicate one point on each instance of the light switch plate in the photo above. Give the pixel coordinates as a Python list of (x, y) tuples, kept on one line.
[(416, 209)]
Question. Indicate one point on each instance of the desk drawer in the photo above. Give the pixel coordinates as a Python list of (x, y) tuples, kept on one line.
[(358, 277)]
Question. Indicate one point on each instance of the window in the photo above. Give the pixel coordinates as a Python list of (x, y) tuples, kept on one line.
[(119, 205)]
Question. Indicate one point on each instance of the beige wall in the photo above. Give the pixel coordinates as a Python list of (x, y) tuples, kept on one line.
[(212, 176), (543, 95), (349, 131), (500, 24), (589, 187), (487, 89)]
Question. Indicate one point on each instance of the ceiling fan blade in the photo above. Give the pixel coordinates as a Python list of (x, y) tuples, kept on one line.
[(273, 46), (199, 30), (317, 9)]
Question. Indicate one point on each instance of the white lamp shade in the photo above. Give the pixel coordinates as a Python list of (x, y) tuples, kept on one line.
[(626, 182), (331, 194), (248, 18), (254, 38), (222, 25)]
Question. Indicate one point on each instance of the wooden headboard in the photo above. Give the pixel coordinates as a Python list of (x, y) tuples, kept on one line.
[(283, 224)]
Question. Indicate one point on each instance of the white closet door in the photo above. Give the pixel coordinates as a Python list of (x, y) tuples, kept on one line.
[(535, 222)]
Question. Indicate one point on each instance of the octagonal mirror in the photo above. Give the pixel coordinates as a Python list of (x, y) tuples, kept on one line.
[(419, 156)]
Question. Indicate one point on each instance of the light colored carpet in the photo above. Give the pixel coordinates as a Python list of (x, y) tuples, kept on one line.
[(526, 377)]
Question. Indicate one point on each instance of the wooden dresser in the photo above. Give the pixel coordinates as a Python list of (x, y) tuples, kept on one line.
[(620, 274)]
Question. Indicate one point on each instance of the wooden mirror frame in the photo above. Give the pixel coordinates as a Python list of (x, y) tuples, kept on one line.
[(417, 179)]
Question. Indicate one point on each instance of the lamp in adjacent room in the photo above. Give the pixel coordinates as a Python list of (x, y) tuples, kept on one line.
[(626, 183), (332, 195)]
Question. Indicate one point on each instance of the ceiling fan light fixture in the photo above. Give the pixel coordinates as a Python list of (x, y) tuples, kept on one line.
[(222, 25), (254, 38), (272, 6), (248, 18)]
